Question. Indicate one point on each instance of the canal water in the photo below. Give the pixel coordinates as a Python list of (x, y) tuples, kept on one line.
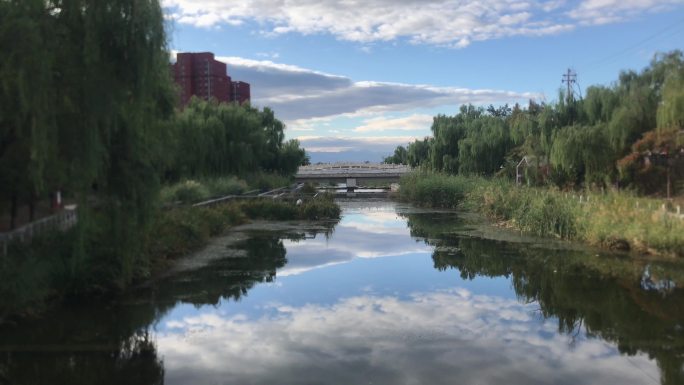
[(389, 295)]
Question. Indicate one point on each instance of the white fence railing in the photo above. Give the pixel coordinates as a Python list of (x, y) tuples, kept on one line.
[(61, 221)]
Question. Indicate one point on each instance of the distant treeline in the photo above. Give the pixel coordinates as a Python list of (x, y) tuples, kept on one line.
[(88, 108), (629, 133)]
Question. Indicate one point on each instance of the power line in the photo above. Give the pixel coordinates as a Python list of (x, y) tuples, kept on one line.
[(678, 27)]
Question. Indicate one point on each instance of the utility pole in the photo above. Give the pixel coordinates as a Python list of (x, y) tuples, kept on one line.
[(569, 78)]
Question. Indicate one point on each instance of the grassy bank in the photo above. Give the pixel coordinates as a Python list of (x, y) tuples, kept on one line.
[(49, 270), (616, 220), (196, 190), (179, 231)]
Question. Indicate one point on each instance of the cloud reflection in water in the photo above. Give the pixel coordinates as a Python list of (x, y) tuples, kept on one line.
[(362, 233), (429, 338)]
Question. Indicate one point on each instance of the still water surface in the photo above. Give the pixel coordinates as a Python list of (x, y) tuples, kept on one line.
[(389, 295)]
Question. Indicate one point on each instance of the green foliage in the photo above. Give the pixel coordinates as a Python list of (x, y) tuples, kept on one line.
[(320, 207), (214, 139), (433, 189), (671, 109), (583, 153), (267, 181), (87, 107), (400, 156), (223, 186), (48, 268), (574, 142), (191, 191), (601, 219), (483, 149), (268, 208), (28, 274), (309, 189), (177, 232), (418, 153), (85, 97)]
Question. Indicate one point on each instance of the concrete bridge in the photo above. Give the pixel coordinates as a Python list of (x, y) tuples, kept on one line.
[(351, 173)]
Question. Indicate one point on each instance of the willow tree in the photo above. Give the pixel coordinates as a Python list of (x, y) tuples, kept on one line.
[(483, 149), (27, 105), (418, 152), (583, 153), (84, 91), (671, 109), (218, 139), (447, 131)]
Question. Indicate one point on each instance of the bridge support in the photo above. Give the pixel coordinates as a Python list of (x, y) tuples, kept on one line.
[(351, 184)]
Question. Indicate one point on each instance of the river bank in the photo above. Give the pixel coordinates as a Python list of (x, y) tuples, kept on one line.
[(42, 274), (394, 292), (611, 220)]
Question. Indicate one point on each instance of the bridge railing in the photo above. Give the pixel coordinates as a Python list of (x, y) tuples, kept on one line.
[(365, 167), (353, 165)]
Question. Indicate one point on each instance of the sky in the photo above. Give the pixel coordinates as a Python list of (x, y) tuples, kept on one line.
[(353, 79)]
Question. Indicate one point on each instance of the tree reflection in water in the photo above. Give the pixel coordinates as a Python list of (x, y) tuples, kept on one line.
[(608, 297), (604, 295), (94, 344)]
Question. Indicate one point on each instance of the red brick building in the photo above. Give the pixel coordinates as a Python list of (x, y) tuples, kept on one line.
[(199, 74), (240, 92)]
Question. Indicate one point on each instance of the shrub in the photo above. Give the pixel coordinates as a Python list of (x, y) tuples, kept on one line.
[(222, 186), (309, 189), (266, 181), (179, 231), (321, 207), (190, 191), (432, 189)]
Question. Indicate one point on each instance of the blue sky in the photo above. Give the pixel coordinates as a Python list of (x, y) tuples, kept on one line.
[(361, 77)]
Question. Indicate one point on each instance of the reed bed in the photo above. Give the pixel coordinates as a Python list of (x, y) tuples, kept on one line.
[(612, 219)]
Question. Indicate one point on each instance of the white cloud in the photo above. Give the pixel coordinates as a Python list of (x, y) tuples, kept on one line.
[(596, 12), (443, 22), (455, 23), (269, 55), (297, 94), (409, 123)]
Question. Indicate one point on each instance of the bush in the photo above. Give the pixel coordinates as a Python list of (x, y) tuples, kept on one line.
[(225, 186), (33, 272), (432, 189), (309, 189), (321, 207), (188, 191), (269, 209), (179, 231), (265, 181)]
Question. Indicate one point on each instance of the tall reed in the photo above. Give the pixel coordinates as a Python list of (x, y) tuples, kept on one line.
[(609, 219)]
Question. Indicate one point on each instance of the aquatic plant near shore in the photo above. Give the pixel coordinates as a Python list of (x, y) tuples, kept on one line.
[(190, 191), (320, 207), (433, 189), (179, 231), (617, 220)]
